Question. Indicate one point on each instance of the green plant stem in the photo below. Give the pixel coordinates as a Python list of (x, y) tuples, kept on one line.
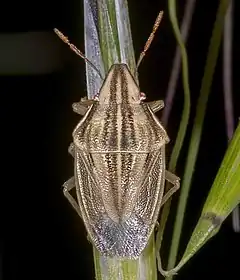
[(186, 106), (184, 120), (197, 128)]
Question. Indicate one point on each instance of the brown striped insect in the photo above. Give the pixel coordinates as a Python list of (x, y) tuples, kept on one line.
[(119, 166)]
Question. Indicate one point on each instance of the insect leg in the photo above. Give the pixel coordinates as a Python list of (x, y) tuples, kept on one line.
[(71, 149), (173, 179), (156, 105), (79, 108), (67, 187), (82, 106)]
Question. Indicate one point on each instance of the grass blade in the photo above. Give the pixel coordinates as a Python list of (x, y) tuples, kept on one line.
[(224, 196), (183, 124), (197, 128)]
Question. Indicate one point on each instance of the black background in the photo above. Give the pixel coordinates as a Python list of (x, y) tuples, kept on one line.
[(42, 236)]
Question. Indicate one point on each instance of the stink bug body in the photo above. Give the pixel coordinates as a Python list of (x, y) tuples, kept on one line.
[(119, 166)]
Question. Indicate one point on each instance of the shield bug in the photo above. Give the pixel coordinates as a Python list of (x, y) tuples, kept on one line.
[(119, 166)]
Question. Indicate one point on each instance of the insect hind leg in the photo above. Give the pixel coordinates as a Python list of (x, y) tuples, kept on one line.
[(67, 187), (175, 181), (71, 149)]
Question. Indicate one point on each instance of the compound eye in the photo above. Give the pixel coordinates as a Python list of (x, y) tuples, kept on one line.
[(96, 97), (142, 96)]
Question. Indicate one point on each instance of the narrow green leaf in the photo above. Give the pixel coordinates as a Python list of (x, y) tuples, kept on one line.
[(115, 33), (224, 196), (197, 128), (184, 120), (225, 192), (92, 48), (108, 35), (108, 39)]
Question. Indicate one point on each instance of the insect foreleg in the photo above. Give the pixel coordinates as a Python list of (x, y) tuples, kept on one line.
[(156, 105), (67, 187), (82, 106), (175, 181)]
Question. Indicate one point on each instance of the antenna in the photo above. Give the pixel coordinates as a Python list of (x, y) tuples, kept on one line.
[(76, 50), (150, 38)]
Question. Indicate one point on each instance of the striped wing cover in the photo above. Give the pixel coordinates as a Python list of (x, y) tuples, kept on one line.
[(119, 167)]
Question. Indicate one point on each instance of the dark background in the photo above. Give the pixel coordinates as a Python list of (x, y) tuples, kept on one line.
[(43, 238)]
